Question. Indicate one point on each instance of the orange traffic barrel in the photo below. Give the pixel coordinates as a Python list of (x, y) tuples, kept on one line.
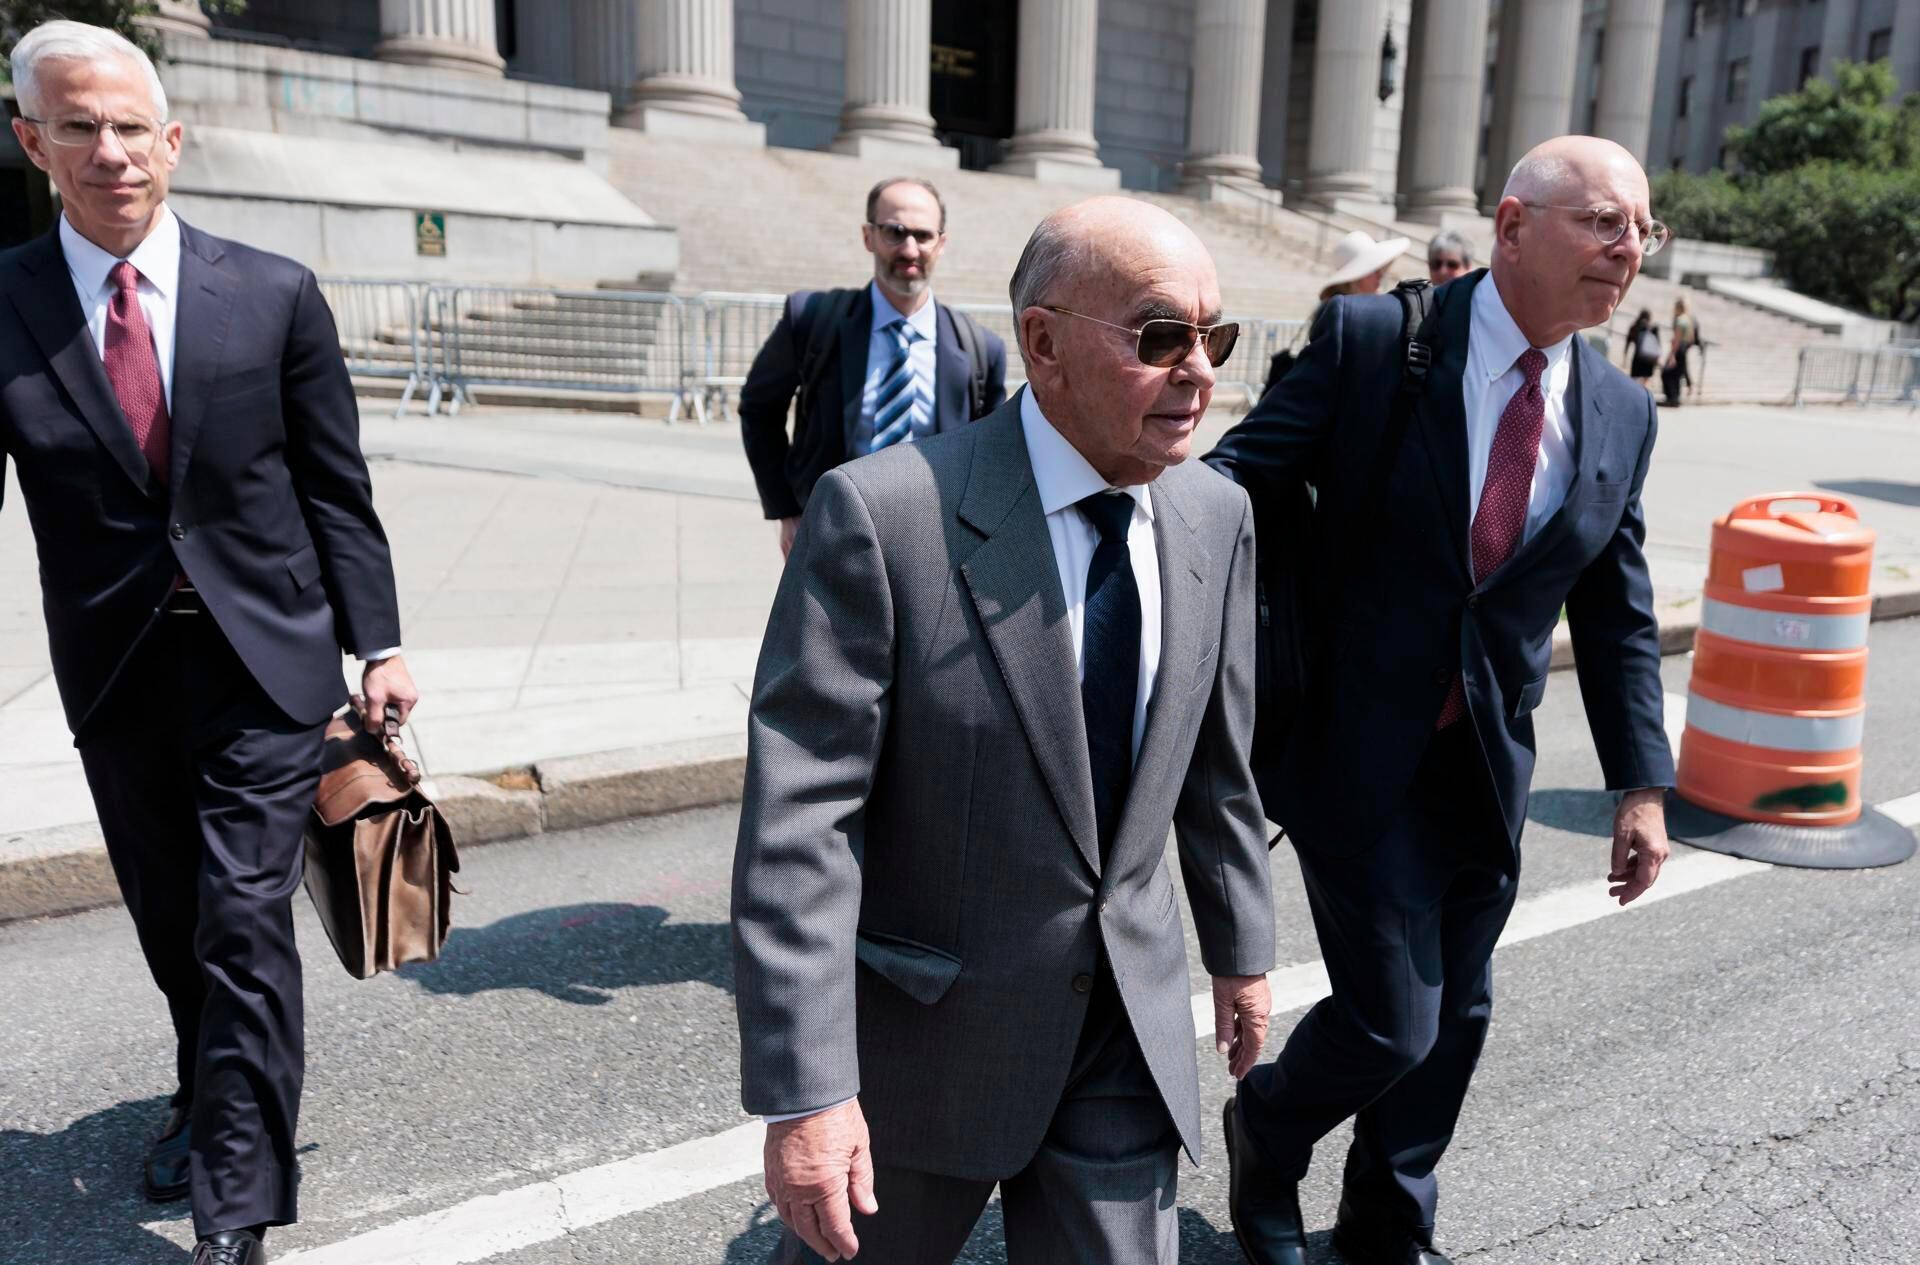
[(1777, 701)]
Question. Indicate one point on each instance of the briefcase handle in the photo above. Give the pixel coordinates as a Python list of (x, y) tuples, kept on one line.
[(390, 735)]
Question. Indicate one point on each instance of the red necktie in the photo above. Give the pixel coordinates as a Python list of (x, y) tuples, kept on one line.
[(1502, 517), (133, 368)]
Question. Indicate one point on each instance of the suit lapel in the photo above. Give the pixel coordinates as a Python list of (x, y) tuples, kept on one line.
[(1015, 586), (1440, 422), (950, 378), (204, 309), (1183, 605), (1586, 420), (51, 310), (856, 332)]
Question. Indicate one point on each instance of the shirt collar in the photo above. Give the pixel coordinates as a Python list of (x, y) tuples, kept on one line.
[(1061, 474), (1495, 342), (157, 258), (885, 313)]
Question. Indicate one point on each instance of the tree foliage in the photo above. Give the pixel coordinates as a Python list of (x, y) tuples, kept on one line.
[(1829, 181)]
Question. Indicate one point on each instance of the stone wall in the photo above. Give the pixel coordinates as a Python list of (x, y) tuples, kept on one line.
[(789, 62), (345, 26), (1141, 89)]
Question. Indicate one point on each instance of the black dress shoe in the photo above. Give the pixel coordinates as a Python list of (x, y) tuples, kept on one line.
[(1264, 1206), (1364, 1241), (231, 1247), (168, 1174)]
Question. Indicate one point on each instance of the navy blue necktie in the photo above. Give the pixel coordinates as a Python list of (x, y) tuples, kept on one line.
[(1110, 679)]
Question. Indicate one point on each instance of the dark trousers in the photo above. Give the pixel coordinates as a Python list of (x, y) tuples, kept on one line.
[(1407, 931), (203, 786), (1101, 1188)]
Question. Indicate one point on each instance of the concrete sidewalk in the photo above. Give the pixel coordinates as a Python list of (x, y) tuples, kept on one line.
[(574, 584)]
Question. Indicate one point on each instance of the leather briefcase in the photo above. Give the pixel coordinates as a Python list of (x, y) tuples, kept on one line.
[(380, 856)]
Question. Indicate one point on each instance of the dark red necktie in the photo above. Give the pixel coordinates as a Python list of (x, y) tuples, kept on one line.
[(1502, 517), (133, 368)]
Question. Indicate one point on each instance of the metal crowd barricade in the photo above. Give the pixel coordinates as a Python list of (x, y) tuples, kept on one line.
[(732, 327), (1260, 341), (1869, 375), (382, 333), (634, 342)]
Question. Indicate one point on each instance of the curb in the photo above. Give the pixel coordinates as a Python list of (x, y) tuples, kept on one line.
[(64, 869)]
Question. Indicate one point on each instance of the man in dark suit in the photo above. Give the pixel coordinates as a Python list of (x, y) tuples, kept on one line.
[(1403, 779), (873, 367), (187, 443), (1001, 664)]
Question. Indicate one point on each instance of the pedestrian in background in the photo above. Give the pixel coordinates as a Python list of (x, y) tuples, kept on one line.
[(1449, 255), (880, 365), (1685, 335), (1359, 266), (1448, 546), (188, 445), (1643, 347), (1000, 666)]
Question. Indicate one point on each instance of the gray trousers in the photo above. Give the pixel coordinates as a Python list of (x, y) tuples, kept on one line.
[(1101, 1188)]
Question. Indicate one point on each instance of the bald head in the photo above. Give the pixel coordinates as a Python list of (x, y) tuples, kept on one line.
[(1102, 237), (1559, 169)]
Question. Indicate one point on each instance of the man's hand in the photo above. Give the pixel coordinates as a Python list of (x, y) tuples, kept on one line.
[(1640, 844), (789, 528), (387, 681), (816, 1167), (1240, 1007)]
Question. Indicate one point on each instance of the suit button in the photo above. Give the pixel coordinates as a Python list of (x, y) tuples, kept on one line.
[(179, 532), (1083, 983), (1443, 676), (1473, 603)]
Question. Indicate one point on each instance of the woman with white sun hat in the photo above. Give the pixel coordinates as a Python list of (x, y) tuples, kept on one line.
[(1360, 265)]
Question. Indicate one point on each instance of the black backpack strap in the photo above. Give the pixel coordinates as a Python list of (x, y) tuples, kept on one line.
[(974, 346), (822, 315), (1416, 360)]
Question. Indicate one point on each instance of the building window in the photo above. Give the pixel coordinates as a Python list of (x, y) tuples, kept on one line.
[(1695, 12), (1809, 65), (1737, 81), (1880, 44), (1686, 97)]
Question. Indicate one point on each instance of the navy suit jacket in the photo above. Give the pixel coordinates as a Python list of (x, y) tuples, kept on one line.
[(785, 469), (267, 510), (1400, 612)]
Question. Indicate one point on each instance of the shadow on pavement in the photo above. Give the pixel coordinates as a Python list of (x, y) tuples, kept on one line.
[(1874, 489), (582, 954), (755, 1244), (1578, 812), (74, 1195)]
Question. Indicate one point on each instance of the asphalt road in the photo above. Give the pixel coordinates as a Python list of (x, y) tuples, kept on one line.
[(1729, 1075)]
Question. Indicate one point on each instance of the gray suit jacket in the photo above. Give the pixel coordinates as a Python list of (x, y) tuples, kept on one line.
[(917, 882)]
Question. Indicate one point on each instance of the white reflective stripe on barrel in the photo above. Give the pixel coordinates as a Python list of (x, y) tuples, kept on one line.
[(1787, 631), (1768, 729)]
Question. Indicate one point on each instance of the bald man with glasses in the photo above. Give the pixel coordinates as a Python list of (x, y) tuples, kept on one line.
[(872, 367)]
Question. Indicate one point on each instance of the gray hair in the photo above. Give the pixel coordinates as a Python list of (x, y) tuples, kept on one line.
[(1053, 252), (1453, 240), (74, 41)]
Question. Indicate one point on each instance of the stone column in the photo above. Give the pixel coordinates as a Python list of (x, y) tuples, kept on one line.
[(683, 58), (889, 78), (1346, 76), (177, 17), (1537, 80), (1836, 34), (1223, 121), (1441, 138), (1626, 76), (1053, 111), (445, 34), (604, 44)]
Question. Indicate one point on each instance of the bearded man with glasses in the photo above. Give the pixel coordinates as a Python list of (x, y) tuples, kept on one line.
[(872, 367), (188, 447), (1450, 529), (1001, 664)]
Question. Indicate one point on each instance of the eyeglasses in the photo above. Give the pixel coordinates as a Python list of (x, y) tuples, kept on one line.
[(1164, 343), (1449, 265), (1610, 225), (896, 234), (137, 135)]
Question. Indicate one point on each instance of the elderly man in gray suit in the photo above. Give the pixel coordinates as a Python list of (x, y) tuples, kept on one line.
[(1000, 664)]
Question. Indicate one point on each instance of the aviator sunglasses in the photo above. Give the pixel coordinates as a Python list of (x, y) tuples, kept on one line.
[(1164, 343)]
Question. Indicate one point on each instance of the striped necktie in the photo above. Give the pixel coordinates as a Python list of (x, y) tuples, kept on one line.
[(902, 401)]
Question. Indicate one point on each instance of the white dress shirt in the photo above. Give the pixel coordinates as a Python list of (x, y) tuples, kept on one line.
[(1494, 347), (1063, 477), (880, 353), (157, 259)]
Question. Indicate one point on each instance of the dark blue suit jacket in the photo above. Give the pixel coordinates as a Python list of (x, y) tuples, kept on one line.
[(1400, 611), (267, 509), (785, 469)]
